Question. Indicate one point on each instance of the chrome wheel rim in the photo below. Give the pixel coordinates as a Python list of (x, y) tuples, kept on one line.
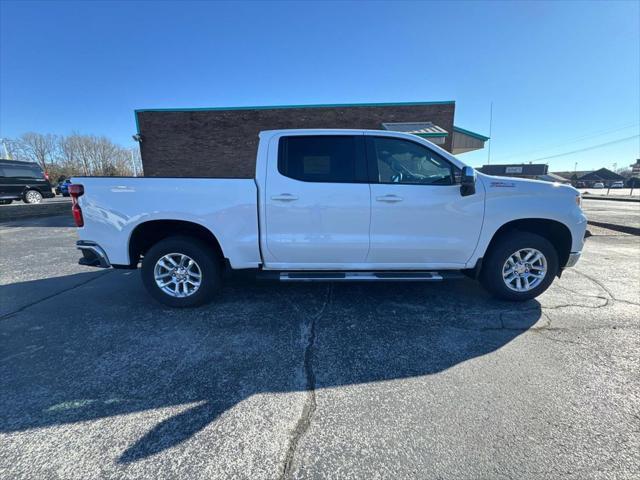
[(177, 275), (33, 197), (524, 269)]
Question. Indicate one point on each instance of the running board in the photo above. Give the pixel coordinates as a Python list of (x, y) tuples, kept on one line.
[(363, 276)]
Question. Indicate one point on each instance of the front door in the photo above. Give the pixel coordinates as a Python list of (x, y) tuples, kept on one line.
[(419, 219), (317, 203)]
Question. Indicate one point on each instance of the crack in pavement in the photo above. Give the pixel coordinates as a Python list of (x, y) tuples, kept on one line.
[(48, 297), (608, 299), (304, 422), (605, 289), (576, 305)]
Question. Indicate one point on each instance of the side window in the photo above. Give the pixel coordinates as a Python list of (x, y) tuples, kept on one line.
[(20, 172), (403, 161), (322, 158)]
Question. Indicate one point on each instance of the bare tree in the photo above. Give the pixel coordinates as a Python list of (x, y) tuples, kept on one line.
[(84, 151), (75, 154), (105, 151), (69, 157), (14, 149), (624, 172), (38, 147)]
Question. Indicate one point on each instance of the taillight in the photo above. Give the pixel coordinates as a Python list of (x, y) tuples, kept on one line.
[(46, 176), (76, 191)]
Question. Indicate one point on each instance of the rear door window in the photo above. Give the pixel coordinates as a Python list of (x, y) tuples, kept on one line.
[(323, 158)]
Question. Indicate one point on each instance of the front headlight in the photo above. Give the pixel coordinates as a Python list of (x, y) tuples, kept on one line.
[(579, 200)]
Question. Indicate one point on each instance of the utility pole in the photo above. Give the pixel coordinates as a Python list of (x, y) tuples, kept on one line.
[(7, 155), (133, 164), (490, 125)]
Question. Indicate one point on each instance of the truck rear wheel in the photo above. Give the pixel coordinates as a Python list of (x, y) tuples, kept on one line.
[(519, 267), (181, 272)]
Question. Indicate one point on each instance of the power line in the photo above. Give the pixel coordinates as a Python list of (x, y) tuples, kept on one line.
[(593, 147), (570, 141)]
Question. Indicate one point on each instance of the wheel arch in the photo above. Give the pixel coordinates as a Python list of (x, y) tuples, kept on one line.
[(554, 231), (37, 188), (148, 233)]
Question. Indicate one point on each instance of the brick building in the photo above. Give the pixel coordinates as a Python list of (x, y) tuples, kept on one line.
[(222, 142)]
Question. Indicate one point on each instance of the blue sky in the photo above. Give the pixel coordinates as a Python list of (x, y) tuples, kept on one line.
[(561, 76)]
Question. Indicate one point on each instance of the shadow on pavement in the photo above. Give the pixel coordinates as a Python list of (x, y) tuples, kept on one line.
[(112, 351), (15, 297), (56, 221)]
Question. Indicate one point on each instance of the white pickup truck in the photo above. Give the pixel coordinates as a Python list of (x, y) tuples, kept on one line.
[(333, 205)]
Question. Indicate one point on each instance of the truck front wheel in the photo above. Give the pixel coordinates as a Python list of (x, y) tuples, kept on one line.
[(181, 272), (519, 266)]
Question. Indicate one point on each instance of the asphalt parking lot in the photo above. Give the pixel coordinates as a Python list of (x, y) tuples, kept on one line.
[(315, 380), (625, 214)]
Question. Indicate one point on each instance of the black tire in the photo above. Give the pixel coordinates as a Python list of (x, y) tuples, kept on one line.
[(204, 256), (493, 263), (6, 202), (32, 196)]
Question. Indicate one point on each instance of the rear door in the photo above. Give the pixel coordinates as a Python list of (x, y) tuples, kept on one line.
[(419, 219), (317, 202)]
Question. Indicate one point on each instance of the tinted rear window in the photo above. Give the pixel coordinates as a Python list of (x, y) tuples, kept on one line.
[(322, 158), (20, 171)]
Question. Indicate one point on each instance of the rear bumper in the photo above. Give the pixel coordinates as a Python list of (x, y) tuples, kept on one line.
[(92, 254)]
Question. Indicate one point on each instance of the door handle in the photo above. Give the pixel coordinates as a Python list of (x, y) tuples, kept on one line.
[(284, 197), (389, 198)]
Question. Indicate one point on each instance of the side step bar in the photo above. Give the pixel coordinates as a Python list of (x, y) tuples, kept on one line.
[(366, 276)]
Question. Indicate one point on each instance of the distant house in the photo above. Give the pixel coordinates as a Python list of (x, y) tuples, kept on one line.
[(587, 179)]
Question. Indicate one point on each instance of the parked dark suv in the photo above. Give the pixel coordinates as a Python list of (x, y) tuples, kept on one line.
[(23, 181)]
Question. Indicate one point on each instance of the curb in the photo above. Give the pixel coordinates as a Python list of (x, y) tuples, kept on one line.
[(612, 199), (15, 212)]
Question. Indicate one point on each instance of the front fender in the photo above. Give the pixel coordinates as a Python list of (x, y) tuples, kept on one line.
[(508, 200)]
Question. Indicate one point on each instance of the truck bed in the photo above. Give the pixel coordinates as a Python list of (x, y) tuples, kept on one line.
[(114, 206)]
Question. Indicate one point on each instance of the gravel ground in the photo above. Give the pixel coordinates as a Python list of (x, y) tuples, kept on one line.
[(315, 380)]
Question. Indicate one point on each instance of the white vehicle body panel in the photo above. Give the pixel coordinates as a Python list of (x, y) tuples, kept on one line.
[(310, 224), (509, 199), (424, 226), (113, 207), (328, 226)]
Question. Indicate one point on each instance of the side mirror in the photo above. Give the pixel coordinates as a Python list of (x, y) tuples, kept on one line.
[(468, 181)]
